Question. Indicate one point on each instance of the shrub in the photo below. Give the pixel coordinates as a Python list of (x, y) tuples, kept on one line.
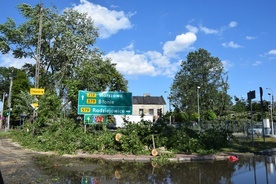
[(215, 138)]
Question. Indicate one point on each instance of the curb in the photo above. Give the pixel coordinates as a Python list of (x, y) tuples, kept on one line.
[(144, 158)]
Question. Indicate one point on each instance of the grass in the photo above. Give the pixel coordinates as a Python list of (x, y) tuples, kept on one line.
[(246, 145), (4, 134)]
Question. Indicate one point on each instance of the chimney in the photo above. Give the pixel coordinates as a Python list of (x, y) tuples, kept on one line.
[(146, 94)]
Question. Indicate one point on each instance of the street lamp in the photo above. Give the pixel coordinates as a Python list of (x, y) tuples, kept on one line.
[(271, 110), (170, 110), (198, 110)]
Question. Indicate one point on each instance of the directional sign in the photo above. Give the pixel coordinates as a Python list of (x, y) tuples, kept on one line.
[(101, 110), (100, 103), (36, 91), (105, 98), (94, 119)]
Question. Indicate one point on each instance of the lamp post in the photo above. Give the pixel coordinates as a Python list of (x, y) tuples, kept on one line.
[(271, 110), (170, 110), (198, 110)]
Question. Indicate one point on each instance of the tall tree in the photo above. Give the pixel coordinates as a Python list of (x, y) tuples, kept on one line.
[(67, 51), (20, 82), (204, 71), (66, 40), (94, 74)]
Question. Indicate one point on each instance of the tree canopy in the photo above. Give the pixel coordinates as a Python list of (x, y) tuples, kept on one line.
[(69, 61), (203, 75)]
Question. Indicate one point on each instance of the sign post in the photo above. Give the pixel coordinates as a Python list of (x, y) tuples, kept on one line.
[(251, 95)]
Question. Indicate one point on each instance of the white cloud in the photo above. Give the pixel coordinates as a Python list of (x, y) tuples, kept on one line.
[(129, 47), (192, 29), (181, 43), (231, 44), (257, 63), (207, 30), (250, 37), (227, 64), (151, 63), (272, 52), (233, 24), (107, 21), (7, 60)]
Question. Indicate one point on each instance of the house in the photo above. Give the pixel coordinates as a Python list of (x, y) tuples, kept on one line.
[(148, 105)]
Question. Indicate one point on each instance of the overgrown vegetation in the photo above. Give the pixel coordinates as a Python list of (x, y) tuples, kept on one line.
[(72, 63), (67, 136)]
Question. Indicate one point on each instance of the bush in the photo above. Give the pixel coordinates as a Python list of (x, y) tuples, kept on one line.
[(215, 138), (67, 136)]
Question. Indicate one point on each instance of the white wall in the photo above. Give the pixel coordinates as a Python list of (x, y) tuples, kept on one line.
[(119, 120), (146, 108)]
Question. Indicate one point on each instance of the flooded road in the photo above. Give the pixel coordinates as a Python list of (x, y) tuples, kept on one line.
[(247, 170), (25, 166)]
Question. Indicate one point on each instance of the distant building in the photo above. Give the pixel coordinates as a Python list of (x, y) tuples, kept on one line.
[(148, 105), (151, 107)]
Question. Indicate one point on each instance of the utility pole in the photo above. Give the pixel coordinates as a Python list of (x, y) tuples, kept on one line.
[(38, 49), (2, 112), (9, 102), (3, 102), (38, 54), (271, 110)]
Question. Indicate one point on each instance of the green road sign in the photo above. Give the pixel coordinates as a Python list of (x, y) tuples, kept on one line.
[(104, 110), (104, 98), (100, 103), (94, 119), (89, 180)]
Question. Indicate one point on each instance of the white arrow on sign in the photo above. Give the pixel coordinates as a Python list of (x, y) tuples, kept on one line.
[(82, 97)]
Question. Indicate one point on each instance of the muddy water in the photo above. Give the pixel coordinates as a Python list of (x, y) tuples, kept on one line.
[(73, 170)]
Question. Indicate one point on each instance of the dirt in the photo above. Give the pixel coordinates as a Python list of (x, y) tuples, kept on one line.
[(17, 165)]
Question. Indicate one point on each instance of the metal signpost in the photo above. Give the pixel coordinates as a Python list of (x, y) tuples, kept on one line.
[(251, 95), (104, 103)]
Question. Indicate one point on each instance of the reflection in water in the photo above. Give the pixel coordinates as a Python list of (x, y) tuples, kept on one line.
[(257, 169)]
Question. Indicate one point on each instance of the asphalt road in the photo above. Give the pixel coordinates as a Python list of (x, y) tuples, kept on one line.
[(16, 165)]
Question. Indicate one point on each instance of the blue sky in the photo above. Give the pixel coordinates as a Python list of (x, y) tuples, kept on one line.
[(149, 39)]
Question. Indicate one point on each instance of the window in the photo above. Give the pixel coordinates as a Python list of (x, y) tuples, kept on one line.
[(141, 111), (159, 112), (151, 111)]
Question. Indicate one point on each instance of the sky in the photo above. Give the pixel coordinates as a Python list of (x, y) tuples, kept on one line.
[(148, 39)]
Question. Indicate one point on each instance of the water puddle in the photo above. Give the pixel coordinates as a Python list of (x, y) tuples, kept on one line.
[(260, 169)]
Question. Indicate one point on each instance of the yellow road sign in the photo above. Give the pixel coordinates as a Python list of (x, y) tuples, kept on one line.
[(34, 105), (36, 91)]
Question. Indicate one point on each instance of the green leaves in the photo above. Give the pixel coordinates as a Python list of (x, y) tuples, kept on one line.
[(68, 60), (204, 71)]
